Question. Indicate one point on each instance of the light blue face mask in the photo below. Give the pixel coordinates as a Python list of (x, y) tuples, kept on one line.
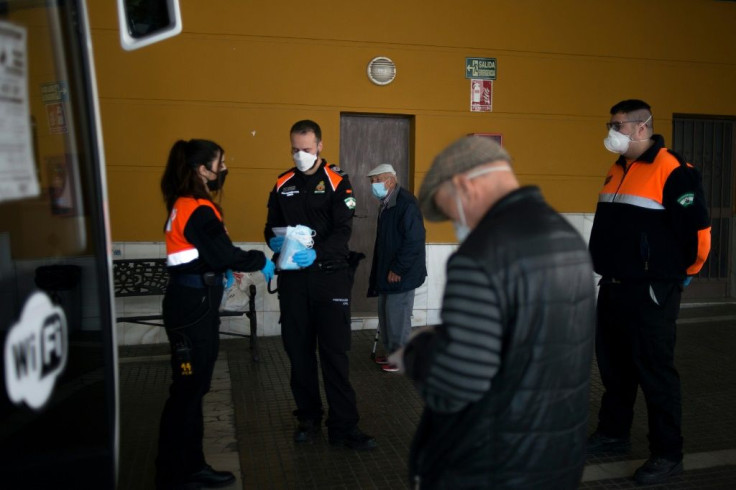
[(379, 189)]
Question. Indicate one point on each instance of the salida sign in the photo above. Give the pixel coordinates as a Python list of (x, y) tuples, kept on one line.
[(35, 352)]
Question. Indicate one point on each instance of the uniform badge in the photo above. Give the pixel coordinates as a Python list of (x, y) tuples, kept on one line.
[(686, 199), (289, 191), (320, 189), (350, 202)]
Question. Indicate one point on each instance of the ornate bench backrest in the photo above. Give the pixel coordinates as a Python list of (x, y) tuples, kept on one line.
[(140, 277)]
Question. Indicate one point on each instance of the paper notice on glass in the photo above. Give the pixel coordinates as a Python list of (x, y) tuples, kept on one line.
[(18, 177)]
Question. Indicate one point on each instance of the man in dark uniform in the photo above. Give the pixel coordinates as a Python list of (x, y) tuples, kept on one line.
[(315, 299)]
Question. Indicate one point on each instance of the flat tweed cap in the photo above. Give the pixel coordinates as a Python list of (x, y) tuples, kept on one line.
[(462, 155), (384, 168)]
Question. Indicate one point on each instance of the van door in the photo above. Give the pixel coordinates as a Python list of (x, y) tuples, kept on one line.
[(58, 376)]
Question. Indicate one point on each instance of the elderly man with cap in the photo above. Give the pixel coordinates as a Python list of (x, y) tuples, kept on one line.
[(506, 374), (399, 262)]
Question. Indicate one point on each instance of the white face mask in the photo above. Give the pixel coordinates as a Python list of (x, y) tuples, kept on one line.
[(462, 230), (303, 160), (617, 142)]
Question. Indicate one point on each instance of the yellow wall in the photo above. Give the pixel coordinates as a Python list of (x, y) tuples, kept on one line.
[(244, 66)]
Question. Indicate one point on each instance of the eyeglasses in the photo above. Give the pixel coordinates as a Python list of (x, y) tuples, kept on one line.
[(616, 125)]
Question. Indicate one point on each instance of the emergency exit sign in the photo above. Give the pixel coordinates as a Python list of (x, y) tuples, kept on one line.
[(480, 68)]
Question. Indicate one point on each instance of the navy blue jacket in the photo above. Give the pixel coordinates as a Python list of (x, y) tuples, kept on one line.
[(400, 239)]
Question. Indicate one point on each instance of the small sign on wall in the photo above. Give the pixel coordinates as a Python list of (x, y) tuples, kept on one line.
[(497, 137), (481, 95), (480, 68), (56, 118), (54, 96)]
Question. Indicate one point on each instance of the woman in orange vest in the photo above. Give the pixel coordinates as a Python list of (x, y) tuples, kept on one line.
[(199, 252)]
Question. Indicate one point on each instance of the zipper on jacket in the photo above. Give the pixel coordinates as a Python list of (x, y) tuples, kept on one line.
[(626, 171), (644, 245)]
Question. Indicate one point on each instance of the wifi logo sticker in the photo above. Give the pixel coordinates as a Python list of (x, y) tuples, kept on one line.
[(36, 351)]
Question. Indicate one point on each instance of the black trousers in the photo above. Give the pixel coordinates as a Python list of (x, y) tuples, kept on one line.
[(192, 325), (635, 346), (315, 315)]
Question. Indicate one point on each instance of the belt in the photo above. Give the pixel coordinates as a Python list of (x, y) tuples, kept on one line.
[(197, 280)]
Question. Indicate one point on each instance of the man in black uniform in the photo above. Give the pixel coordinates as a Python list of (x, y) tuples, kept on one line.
[(315, 299)]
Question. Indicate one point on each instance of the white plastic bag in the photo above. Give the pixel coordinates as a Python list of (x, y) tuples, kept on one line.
[(297, 238), (237, 296)]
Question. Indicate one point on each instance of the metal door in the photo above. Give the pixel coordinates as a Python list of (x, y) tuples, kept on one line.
[(58, 372), (708, 143), (367, 140)]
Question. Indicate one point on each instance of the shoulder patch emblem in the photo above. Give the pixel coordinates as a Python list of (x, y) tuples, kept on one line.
[(337, 170), (686, 199), (350, 202)]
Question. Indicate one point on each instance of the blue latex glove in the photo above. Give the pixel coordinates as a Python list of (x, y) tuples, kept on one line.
[(687, 281), (229, 278), (304, 258), (268, 270), (275, 243)]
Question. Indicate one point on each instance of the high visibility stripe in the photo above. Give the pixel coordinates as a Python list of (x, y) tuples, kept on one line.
[(282, 180), (333, 177), (183, 257), (642, 179), (703, 251), (638, 201)]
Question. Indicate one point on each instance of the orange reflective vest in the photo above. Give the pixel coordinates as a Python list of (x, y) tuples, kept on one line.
[(178, 249)]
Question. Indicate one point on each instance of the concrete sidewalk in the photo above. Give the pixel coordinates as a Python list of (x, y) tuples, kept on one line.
[(249, 422)]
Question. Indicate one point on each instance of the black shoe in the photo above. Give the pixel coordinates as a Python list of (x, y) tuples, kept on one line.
[(210, 478), (354, 439), (657, 470), (599, 445), (306, 431)]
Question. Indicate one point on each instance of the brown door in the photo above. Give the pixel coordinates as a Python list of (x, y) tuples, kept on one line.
[(709, 143), (367, 140)]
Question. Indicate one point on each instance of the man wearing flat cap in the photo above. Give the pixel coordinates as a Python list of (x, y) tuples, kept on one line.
[(399, 262), (505, 376)]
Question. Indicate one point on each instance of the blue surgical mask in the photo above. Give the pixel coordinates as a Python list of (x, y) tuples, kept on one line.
[(379, 190)]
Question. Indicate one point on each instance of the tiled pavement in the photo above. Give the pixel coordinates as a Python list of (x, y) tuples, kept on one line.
[(249, 422)]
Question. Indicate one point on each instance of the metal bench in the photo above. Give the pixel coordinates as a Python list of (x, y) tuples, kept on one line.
[(149, 277)]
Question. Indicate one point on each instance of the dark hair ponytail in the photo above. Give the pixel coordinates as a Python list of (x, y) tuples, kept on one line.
[(181, 177)]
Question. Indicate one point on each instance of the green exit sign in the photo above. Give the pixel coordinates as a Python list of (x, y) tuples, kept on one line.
[(480, 68)]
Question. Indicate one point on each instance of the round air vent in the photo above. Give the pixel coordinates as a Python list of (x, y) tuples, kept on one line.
[(381, 70)]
